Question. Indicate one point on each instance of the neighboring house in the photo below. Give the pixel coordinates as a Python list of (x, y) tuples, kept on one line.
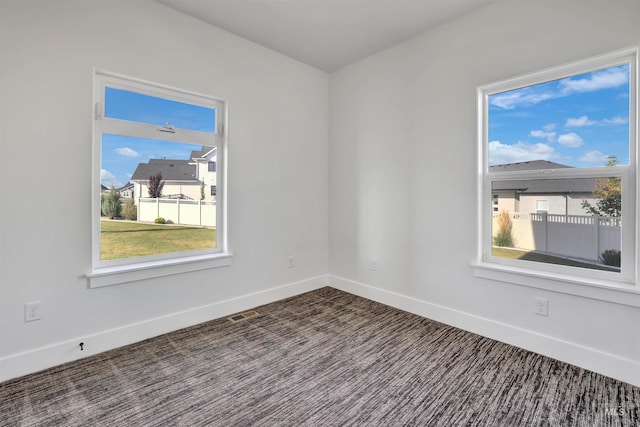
[(183, 179), (553, 196), (127, 191)]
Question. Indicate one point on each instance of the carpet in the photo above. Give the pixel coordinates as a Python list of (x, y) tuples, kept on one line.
[(323, 358)]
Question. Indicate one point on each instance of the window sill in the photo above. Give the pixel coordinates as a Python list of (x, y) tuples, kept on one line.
[(604, 290), (107, 276)]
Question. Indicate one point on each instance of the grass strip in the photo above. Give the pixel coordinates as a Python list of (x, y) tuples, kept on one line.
[(124, 239), (549, 259)]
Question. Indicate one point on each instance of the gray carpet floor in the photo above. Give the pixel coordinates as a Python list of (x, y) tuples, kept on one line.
[(324, 358)]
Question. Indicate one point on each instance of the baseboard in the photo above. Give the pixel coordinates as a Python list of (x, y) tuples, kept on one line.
[(31, 361), (585, 357)]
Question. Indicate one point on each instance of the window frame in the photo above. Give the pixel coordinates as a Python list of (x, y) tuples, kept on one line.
[(618, 287), (109, 272)]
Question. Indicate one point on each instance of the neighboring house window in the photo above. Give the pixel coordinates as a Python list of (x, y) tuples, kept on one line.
[(568, 130), (495, 203), (214, 190), (542, 206), (163, 140), (212, 166)]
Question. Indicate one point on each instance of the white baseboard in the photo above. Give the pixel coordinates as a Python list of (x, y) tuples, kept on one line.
[(585, 357), (31, 361)]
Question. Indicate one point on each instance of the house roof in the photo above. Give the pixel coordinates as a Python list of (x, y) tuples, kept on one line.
[(203, 152), (127, 186), (171, 170), (542, 186), (548, 186), (527, 166)]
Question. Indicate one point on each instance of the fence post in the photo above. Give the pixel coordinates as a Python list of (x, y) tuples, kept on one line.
[(178, 204), (596, 222), (545, 225), (157, 207)]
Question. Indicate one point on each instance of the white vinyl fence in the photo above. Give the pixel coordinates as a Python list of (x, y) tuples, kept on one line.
[(187, 212), (576, 236)]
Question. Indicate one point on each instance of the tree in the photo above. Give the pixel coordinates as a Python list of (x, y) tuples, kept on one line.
[(608, 195), (155, 185), (110, 203)]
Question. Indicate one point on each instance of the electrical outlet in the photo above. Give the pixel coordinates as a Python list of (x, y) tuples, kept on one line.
[(542, 307), (292, 261), (32, 311), (374, 265)]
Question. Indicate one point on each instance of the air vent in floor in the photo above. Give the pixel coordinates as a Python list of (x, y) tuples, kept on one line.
[(243, 316)]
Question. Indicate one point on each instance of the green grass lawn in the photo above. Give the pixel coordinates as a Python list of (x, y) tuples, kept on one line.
[(549, 259), (123, 239)]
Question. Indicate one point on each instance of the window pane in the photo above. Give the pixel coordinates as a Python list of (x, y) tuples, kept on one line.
[(573, 221), (125, 105), (580, 121), (154, 198)]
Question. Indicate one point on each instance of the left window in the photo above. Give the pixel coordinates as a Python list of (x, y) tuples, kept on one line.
[(153, 147)]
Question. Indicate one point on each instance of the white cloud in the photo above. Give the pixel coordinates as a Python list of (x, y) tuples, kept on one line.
[(594, 156), (517, 98), (605, 79), (571, 140), (108, 179), (616, 121), (127, 152), (500, 153), (579, 122), (545, 133)]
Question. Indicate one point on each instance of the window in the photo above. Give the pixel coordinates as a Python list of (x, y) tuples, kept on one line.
[(558, 150), (542, 206), (161, 143)]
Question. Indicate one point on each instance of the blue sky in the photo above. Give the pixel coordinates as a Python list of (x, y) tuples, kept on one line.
[(577, 121), (122, 154)]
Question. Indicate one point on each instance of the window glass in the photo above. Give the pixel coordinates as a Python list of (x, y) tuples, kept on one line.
[(579, 121), (578, 224), (178, 216), (126, 105)]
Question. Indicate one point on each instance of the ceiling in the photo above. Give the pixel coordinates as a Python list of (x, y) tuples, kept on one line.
[(326, 34)]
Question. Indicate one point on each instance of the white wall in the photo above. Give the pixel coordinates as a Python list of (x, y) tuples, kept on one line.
[(403, 141), (278, 121)]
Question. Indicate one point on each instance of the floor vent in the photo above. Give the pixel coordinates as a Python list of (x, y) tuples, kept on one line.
[(243, 316)]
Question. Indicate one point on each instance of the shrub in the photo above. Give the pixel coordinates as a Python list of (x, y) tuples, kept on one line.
[(611, 257), (503, 237), (110, 203), (160, 220), (130, 211)]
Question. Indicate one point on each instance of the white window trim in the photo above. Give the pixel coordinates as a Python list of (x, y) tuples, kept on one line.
[(622, 288), (105, 273)]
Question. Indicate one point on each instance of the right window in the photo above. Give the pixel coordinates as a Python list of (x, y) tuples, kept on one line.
[(558, 164)]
